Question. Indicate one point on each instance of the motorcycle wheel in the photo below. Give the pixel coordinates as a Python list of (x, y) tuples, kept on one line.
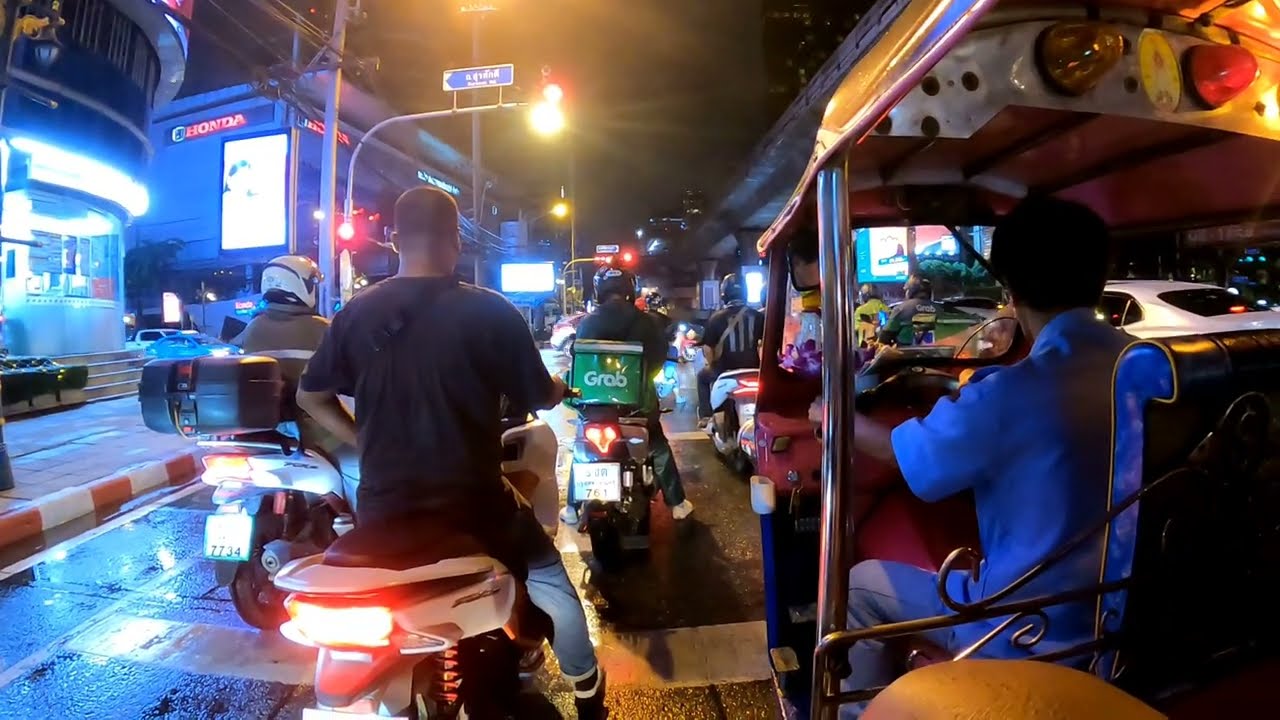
[(606, 545), (255, 597)]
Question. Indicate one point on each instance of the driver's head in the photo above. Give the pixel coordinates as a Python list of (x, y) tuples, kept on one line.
[(918, 287), (1081, 247), (426, 231)]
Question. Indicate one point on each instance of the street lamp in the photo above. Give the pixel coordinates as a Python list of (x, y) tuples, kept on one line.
[(560, 210)]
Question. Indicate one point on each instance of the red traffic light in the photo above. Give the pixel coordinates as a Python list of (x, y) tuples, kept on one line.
[(628, 257), (346, 231)]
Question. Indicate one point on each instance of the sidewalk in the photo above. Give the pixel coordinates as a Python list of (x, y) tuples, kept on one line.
[(72, 462)]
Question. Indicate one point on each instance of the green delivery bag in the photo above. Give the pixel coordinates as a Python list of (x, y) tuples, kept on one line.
[(608, 373)]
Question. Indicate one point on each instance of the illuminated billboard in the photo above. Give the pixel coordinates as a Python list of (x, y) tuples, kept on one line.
[(255, 174), (528, 277), (881, 254)]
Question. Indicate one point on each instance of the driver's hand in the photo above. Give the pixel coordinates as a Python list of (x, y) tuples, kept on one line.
[(559, 389)]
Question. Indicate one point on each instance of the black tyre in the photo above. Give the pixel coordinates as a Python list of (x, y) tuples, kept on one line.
[(606, 545), (255, 597)]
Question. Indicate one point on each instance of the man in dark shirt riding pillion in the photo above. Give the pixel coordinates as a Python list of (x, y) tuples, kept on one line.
[(429, 360)]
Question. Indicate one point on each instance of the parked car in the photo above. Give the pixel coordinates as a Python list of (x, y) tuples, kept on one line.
[(564, 332), (1163, 308), (142, 339), (190, 344)]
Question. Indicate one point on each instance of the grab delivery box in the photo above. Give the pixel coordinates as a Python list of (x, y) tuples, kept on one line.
[(608, 373)]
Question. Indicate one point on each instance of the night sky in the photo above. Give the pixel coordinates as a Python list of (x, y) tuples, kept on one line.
[(664, 94)]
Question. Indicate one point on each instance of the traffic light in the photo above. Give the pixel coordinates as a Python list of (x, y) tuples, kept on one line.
[(346, 231), (546, 117), (628, 257)]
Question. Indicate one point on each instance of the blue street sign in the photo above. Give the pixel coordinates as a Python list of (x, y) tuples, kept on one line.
[(479, 77)]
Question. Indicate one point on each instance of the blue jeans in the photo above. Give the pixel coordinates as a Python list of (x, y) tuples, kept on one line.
[(882, 592), (551, 590)]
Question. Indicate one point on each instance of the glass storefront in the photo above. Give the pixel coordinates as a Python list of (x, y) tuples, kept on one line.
[(62, 282)]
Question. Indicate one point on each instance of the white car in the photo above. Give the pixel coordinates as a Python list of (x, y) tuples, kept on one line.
[(1160, 308), (142, 339)]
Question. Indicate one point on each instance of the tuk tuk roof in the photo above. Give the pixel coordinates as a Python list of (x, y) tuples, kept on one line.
[(902, 40)]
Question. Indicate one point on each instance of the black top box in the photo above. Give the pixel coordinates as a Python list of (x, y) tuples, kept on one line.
[(212, 395)]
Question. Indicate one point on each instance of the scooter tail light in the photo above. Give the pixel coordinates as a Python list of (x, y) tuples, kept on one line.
[(746, 387), (227, 466), (331, 626), (602, 436)]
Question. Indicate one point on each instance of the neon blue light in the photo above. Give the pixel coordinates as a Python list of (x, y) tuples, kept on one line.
[(56, 166)]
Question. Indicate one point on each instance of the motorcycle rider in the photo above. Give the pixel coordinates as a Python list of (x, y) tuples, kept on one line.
[(917, 311), (429, 360), (290, 330), (731, 341), (616, 318), (870, 313)]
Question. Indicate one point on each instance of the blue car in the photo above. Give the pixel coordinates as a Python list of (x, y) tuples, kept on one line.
[(188, 345)]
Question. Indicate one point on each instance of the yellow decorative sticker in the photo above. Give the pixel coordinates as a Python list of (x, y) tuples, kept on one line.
[(1161, 75)]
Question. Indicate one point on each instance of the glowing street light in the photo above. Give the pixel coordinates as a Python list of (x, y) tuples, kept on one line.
[(560, 210)]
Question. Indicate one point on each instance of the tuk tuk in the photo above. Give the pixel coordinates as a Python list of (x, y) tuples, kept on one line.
[(1161, 116)]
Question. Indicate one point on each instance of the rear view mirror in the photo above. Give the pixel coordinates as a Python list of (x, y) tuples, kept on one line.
[(802, 262)]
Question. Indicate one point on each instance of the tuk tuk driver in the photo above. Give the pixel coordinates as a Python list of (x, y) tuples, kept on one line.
[(915, 313), (1031, 440)]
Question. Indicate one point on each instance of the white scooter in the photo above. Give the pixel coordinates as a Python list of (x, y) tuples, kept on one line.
[(417, 621), (276, 504), (733, 405)]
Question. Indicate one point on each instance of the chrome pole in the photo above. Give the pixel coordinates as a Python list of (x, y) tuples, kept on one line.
[(839, 343)]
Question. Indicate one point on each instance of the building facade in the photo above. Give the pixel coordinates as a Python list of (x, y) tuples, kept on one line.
[(799, 36), (236, 182), (80, 89)]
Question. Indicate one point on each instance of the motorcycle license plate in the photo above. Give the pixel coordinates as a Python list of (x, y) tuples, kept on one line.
[(597, 481), (228, 536)]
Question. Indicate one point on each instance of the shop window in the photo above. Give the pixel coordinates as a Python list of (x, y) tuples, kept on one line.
[(68, 248)]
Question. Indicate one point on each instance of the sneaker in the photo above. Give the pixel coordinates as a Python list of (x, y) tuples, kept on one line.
[(588, 697), (569, 515), (682, 511)]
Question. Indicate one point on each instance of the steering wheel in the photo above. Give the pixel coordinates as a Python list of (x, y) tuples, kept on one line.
[(916, 388)]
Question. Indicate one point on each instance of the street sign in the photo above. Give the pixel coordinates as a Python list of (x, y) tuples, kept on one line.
[(607, 249), (475, 78)]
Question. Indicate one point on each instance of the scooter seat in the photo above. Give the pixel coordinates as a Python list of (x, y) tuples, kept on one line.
[(738, 373), (400, 545)]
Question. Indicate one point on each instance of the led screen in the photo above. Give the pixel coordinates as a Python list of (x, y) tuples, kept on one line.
[(528, 277), (255, 194), (882, 254), (935, 241), (753, 282)]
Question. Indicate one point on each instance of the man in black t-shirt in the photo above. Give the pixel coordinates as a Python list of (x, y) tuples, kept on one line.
[(731, 340), (428, 360)]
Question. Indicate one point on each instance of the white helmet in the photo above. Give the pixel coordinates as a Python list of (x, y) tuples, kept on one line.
[(291, 280)]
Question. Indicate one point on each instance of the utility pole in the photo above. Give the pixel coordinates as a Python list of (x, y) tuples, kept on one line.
[(477, 190), (329, 158)]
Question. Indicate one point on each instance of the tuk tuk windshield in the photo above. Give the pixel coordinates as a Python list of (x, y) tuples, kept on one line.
[(919, 287)]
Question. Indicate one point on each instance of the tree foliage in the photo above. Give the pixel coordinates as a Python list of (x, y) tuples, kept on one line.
[(145, 267), (953, 276)]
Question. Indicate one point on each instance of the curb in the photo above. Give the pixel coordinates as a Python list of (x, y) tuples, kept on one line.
[(70, 503)]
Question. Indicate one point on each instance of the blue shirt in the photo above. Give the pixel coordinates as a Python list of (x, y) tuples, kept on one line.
[(1033, 443)]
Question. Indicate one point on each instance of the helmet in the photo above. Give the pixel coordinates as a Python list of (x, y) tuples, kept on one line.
[(918, 286), (731, 289), (866, 292), (610, 280), (291, 280)]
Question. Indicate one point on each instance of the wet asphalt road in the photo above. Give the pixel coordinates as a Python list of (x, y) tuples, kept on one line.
[(125, 620)]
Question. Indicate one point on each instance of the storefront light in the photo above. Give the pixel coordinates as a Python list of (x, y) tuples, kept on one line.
[(64, 168)]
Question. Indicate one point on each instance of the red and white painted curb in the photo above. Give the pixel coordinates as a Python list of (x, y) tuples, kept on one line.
[(70, 503)]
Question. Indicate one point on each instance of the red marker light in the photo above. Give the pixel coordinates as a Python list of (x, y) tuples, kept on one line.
[(628, 257), (1238, 309), (346, 231), (1220, 72), (553, 93)]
